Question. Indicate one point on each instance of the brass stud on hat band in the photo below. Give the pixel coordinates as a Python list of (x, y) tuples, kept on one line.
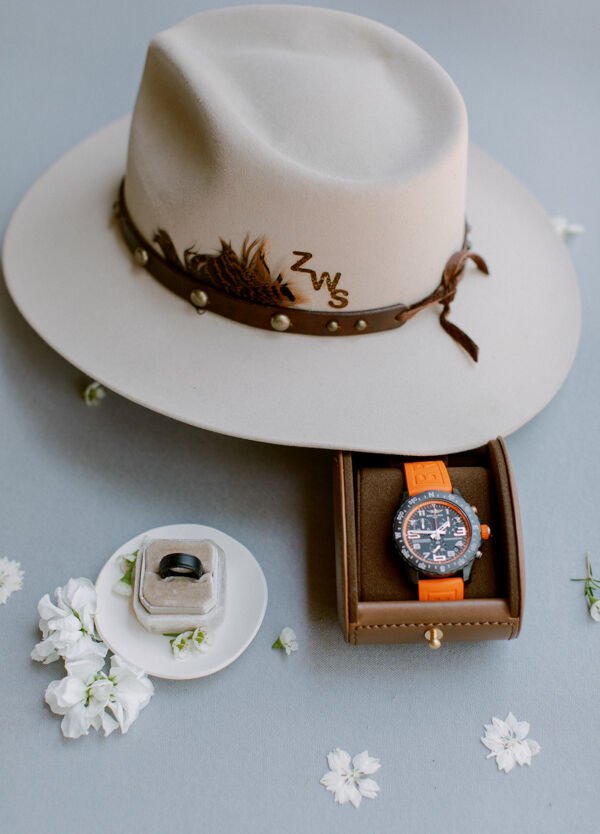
[(141, 256), (332, 326), (361, 324), (280, 322), (200, 300)]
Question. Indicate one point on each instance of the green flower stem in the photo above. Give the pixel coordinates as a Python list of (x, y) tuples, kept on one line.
[(591, 584)]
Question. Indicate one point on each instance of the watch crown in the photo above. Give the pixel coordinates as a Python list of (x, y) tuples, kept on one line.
[(479, 554), (474, 508), (485, 532)]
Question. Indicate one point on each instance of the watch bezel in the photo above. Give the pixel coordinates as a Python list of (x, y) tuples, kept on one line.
[(411, 559)]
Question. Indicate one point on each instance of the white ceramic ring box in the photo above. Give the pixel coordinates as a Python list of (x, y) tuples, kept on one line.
[(179, 603)]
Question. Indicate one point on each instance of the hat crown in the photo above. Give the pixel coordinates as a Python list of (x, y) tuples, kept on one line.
[(332, 136)]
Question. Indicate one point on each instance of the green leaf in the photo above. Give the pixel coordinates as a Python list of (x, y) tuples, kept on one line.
[(278, 644), (127, 577)]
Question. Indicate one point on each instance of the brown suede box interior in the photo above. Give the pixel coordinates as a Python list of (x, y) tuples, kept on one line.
[(376, 602)]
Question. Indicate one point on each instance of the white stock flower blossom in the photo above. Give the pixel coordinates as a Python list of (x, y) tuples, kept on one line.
[(201, 639), (124, 585), (349, 779), (86, 693), (595, 610), (287, 640), (131, 691), (68, 626), (11, 578), (508, 742), (81, 697), (182, 645)]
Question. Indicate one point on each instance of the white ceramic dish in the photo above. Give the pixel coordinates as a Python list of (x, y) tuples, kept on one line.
[(246, 602)]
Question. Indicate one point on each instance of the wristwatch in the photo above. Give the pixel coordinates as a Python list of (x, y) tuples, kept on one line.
[(436, 532)]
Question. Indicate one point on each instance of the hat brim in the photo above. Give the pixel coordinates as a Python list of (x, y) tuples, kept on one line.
[(406, 391)]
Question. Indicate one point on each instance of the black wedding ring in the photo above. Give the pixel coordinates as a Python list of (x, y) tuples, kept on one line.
[(180, 564)]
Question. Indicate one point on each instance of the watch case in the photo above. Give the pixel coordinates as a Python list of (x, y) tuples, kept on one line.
[(377, 602)]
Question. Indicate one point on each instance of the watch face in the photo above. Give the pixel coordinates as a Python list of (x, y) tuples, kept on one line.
[(437, 533)]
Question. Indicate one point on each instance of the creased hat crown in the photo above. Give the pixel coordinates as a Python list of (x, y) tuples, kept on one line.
[(333, 141)]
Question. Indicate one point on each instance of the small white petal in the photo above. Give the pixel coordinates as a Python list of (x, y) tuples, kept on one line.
[(339, 761), (88, 664), (76, 722), (47, 610), (342, 794), (332, 780), (64, 694), (501, 727), (108, 723), (368, 788), (491, 744), (521, 730), (365, 763), (45, 652), (353, 794), (521, 753), (505, 761), (534, 747)]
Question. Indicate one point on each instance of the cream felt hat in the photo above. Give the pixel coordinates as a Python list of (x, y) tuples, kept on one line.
[(302, 177)]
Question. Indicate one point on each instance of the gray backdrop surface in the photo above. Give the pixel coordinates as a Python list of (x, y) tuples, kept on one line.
[(244, 750)]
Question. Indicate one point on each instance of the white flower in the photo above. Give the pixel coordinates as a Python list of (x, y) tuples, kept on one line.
[(595, 610), (82, 697), (286, 640), (348, 779), (509, 743), (565, 229), (11, 578), (93, 393), (123, 586), (201, 639), (182, 645), (131, 691), (68, 626), (86, 693)]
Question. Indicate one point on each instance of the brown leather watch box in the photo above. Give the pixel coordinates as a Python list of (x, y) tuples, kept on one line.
[(376, 601)]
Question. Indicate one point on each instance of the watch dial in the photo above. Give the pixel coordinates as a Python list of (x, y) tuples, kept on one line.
[(436, 533)]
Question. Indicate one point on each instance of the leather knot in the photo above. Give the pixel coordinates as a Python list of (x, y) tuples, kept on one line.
[(445, 293)]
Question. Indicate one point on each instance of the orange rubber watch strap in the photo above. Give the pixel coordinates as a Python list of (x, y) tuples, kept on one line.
[(421, 476), (441, 590), (426, 474)]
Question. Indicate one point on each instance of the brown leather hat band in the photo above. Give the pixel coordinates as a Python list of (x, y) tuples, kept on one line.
[(204, 296)]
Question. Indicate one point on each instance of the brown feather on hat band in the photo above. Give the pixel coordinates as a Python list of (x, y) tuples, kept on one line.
[(241, 287)]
